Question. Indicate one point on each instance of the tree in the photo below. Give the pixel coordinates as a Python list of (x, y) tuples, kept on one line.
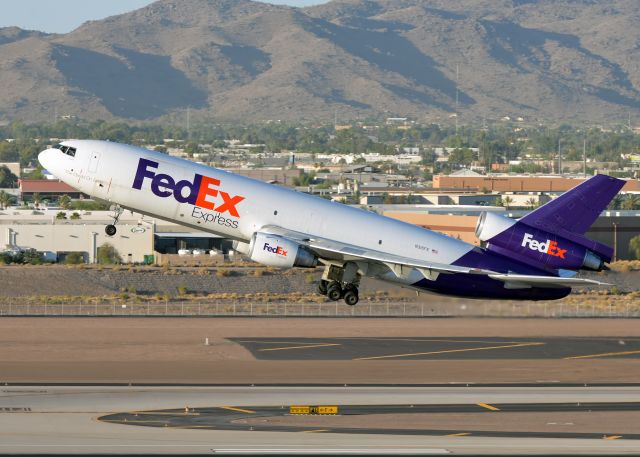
[(64, 201), (5, 199), (36, 199), (631, 202), (7, 179), (107, 255), (507, 201), (532, 203), (634, 246)]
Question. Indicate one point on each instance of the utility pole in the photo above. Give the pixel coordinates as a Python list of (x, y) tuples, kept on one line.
[(559, 157), (188, 123), (457, 97), (584, 158)]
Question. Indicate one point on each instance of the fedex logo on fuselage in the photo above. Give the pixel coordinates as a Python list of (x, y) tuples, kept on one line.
[(548, 247), (274, 249), (197, 193)]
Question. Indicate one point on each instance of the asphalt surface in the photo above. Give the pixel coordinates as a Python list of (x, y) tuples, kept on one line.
[(440, 348), (76, 419), (233, 418)]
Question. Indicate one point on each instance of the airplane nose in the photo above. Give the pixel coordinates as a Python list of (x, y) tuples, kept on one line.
[(45, 158)]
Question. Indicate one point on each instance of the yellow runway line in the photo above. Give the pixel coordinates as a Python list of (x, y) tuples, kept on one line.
[(485, 405), (308, 346), (240, 410), (450, 350), (459, 434), (612, 437), (606, 354), (315, 431)]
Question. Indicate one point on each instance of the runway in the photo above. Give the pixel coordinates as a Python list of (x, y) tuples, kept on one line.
[(76, 419), (442, 348)]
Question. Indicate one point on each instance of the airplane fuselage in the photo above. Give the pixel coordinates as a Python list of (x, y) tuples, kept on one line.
[(236, 207)]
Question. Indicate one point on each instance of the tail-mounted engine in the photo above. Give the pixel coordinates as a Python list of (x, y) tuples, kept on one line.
[(276, 251), (509, 237)]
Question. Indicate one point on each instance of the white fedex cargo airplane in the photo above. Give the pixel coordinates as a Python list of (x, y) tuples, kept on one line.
[(536, 257)]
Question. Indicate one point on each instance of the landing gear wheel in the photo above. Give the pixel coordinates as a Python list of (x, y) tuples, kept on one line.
[(322, 287), (351, 297), (110, 230), (334, 291)]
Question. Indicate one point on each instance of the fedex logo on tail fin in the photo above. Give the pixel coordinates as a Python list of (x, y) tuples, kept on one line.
[(548, 247), (198, 192)]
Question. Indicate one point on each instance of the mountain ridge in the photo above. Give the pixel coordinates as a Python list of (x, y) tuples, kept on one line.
[(241, 60)]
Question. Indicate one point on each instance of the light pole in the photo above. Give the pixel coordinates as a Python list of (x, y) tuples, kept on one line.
[(559, 157), (615, 241)]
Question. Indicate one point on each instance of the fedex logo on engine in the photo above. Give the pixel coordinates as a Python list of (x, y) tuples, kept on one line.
[(200, 192), (548, 247), (277, 250)]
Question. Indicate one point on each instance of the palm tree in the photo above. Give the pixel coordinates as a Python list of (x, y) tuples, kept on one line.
[(631, 202), (5, 199), (616, 202), (36, 199), (507, 201), (64, 201), (532, 202)]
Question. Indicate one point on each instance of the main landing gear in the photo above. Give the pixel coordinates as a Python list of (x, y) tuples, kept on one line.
[(340, 282), (111, 229)]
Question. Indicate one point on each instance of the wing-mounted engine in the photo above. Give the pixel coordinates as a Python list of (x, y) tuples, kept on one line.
[(276, 251), (535, 246)]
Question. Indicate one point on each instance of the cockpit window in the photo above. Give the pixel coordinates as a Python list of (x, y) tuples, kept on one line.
[(66, 149)]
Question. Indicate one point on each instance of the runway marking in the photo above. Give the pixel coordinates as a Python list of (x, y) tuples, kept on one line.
[(490, 407), (450, 350), (606, 354), (427, 340), (308, 346), (240, 410), (612, 437), (151, 413), (316, 431), (459, 434), (274, 342)]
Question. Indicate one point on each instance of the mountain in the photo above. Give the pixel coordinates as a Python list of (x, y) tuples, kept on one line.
[(239, 60)]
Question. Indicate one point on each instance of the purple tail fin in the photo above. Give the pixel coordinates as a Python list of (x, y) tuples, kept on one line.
[(577, 209)]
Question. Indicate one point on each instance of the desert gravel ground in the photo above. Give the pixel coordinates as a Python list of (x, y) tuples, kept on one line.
[(166, 350)]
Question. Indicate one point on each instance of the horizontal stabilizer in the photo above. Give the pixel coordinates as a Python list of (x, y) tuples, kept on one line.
[(515, 281)]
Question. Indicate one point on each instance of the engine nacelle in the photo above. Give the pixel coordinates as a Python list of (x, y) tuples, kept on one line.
[(276, 251), (507, 236)]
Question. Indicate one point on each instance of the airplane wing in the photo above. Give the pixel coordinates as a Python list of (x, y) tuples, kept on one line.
[(515, 281), (402, 266)]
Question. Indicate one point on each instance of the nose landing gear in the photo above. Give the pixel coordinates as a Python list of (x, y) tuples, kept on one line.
[(111, 229)]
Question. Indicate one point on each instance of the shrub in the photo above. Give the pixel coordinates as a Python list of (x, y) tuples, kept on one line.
[(108, 255), (258, 272), (221, 273), (634, 246), (182, 290), (61, 215), (74, 216), (74, 258), (309, 279)]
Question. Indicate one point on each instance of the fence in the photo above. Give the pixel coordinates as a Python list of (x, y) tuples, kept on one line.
[(329, 309)]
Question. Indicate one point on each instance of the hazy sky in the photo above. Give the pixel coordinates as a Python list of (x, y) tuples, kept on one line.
[(61, 16)]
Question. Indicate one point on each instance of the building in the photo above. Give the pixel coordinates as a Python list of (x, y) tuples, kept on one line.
[(137, 240), (516, 183), (48, 189), (613, 228)]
